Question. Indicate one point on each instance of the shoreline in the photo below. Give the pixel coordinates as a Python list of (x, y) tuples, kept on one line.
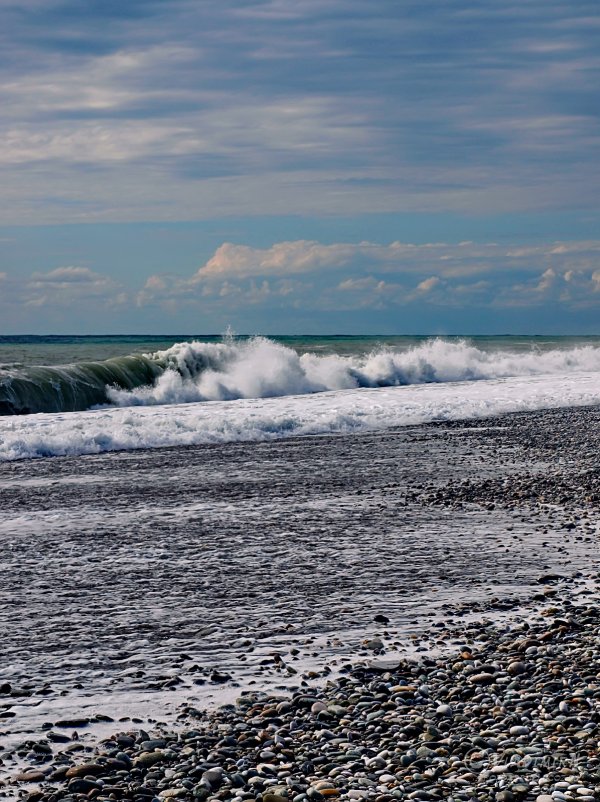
[(420, 525), (513, 714)]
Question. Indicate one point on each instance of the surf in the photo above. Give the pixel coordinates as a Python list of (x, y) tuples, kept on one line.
[(266, 419), (258, 367)]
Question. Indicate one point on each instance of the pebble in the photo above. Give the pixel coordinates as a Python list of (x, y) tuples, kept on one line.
[(81, 785), (83, 770), (482, 679), (213, 776), (515, 732), (29, 776), (463, 726), (146, 759)]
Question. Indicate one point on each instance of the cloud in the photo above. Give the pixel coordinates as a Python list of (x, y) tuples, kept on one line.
[(303, 256), (428, 284), (69, 275), (270, 108), (310, 280), (449, 260), (282, 258), (307, 272), (365, 293), (360, 284), (65, 285), (573, 288), (168, 291), (547, 280), (589, 247), (163, 290)]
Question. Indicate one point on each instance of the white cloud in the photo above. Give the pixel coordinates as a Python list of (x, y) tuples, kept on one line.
[(449, 260), (428, 284), (303, 256), (556, 249), (65, 285), (164, 290), (547, 280), (360, 284), (382, 275), (367, 292), (283, 258), (574, 288), (68, 275), (94, 143), (100, 82)]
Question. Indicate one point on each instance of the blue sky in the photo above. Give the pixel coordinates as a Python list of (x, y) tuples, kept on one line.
[(299, 166)]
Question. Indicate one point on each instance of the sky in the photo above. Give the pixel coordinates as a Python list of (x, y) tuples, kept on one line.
[(299, 166)]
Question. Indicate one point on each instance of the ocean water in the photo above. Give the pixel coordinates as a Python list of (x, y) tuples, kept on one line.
[(83, 395)]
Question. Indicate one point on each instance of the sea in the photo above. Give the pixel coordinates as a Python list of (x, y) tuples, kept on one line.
[(75, 395)]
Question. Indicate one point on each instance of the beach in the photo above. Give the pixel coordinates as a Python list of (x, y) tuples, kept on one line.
[(299, 401), (143, 584)]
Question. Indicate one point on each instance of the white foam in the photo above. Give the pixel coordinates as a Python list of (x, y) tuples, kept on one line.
[(352, 410), (262, 368)]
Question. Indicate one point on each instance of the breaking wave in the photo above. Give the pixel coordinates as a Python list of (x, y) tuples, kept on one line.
[(68, 388), (262, 368)]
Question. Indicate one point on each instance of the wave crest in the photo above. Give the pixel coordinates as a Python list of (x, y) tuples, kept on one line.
[(68, 388), (263, 368)]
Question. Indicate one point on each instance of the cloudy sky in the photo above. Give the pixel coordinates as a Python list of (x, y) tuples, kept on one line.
[(299, 166)]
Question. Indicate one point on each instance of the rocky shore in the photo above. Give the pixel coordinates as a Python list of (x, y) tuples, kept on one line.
[(178, 571), (513, 714)]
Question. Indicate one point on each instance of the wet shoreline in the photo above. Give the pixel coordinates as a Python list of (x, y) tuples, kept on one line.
[(156, 578)]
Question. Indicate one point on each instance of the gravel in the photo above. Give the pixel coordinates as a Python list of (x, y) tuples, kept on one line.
[(481, 536), (430, 729)]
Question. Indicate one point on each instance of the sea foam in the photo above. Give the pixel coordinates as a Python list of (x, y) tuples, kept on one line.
[(260, 419), (262, 368)]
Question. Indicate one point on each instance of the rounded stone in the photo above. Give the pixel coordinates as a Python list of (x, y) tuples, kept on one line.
[(515, 732)]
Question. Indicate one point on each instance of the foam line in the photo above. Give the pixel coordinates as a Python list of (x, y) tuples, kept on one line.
[(354, 410)]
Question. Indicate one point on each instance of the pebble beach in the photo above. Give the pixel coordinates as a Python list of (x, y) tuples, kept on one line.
[(477, 676), (513, 715), (299, 401)]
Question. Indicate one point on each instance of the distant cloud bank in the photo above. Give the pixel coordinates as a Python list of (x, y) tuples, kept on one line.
[(309, 274)]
